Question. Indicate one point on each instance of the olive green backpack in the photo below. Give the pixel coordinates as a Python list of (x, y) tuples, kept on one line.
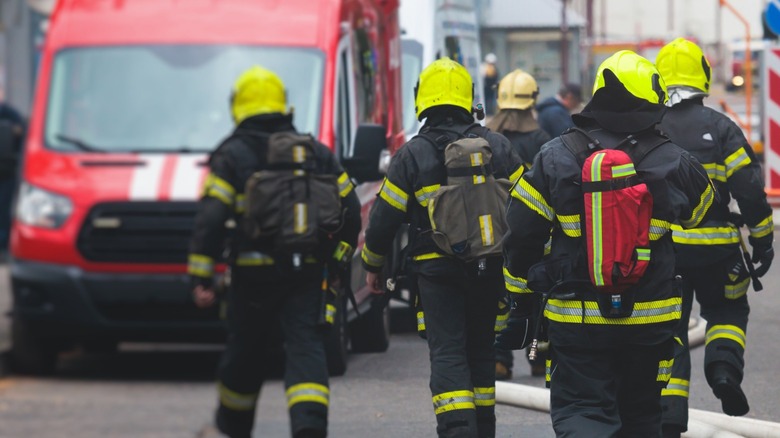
[(288, 202), (468, 214)]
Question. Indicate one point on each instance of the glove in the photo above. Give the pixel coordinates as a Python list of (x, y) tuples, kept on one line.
[(761, 253), (519, 331)]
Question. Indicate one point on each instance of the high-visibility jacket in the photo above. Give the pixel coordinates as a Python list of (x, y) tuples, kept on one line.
[(719, 145), (416, 172), (548, 201), (230, 166)]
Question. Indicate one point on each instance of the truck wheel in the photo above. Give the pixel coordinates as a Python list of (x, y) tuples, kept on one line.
[(31, 354), (370, 332), (336, 343)]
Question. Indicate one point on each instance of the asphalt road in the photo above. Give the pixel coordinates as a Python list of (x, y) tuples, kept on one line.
[(163, 391)]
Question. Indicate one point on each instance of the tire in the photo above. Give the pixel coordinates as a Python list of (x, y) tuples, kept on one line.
[(370, 332), (31, 354), (336, 342)]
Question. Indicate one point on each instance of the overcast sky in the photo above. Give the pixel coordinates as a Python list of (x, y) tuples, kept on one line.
[(650, 18)]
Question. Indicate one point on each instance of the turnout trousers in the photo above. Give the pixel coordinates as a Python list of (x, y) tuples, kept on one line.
[(260, 302), (608, 392), (725, 307), (460, 315)]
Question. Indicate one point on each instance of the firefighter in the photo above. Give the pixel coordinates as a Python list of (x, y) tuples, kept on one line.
[(265, 291), (607, 369), (517, 93), (709, 258), (460, 305)]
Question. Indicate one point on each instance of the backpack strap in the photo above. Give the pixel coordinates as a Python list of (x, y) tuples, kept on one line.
[(581, 144)]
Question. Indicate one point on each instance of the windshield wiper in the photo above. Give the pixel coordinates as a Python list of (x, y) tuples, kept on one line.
[(174, 150), (80, 144)]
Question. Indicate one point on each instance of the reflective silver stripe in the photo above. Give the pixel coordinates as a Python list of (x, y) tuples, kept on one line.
[(658, 228), (676, 387), (525, 192), (726, 331), (665, 370), (571, 229), (425, 193), (371, 258), (515, 284), (715, 171), (485, 396), (734, 291), (308, 392), (420, 321), (450, 401), (501, 322), (763, 228), (393, 195), (650, 312), (705, 236), (736, 161), (235, 400)]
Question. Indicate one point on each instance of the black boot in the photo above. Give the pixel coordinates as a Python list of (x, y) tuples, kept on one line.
[(310, 433), (725, 383)]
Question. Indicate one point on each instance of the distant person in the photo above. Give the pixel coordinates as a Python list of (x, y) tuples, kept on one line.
[(9, 166), (517, 93), (490, 78), (554, 113)]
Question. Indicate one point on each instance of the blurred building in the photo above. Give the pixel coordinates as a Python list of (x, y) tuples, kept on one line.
[(527, 35)]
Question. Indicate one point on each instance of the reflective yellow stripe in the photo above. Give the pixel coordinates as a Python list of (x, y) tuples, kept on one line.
[(665, 370), (705, 236), (425, 193), (393, 195), (420, 321), (301, 218), (736, 161), (217, 187), (307, 392), (240, 203), (763, 228), (501, 321), (200, 265), (454, 400), (726, 331), (623, 170), (486, 229), (534, 200), (235, 400), (570, 224), (658, 228), (345, 185), (428, 256), (371, 258), (485, 396), (676, 387), (643, 254), (547, 370), (595, 224), (517, 174), (716, 172), (254, 258), (330, 313), (343, 252), (649, 312), (548, 246), (515, 284), (705, 201), (735, 291)]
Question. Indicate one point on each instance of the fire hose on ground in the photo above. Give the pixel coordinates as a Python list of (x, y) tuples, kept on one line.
[(701, 424)]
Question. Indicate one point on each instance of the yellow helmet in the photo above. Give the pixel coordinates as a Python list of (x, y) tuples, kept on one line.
[(683, 64), (443, 82), (638, 75), (257, 91), (518, 90)]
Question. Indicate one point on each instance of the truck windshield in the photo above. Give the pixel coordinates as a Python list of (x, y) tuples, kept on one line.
[(166, 98)]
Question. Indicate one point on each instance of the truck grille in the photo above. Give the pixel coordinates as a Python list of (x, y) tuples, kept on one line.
[(138, 232)]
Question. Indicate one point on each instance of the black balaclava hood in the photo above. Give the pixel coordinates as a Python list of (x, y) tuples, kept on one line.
[(615, 109)]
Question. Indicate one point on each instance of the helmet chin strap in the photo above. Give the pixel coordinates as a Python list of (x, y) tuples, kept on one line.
[(678, 94)]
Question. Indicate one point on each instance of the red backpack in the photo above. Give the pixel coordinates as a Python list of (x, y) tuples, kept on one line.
[(617, 210)]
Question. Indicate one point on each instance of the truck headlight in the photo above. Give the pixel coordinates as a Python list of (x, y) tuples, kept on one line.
[(40, 208)]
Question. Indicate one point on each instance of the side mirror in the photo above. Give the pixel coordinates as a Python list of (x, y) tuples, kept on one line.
[(367, 160)]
